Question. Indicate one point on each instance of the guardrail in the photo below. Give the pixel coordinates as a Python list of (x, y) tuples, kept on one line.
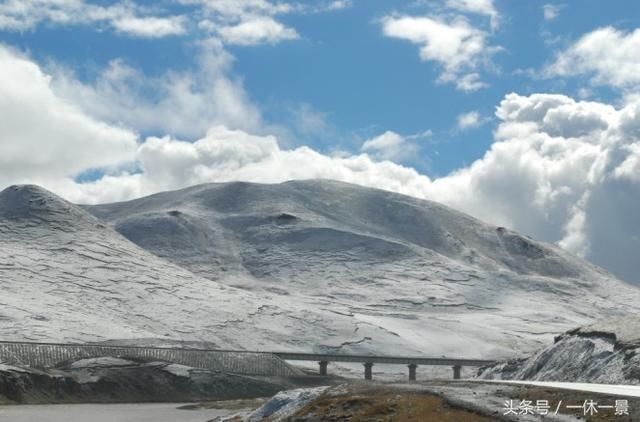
[(47, 355)]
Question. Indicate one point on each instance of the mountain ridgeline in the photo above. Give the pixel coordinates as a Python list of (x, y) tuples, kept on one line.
[(248, 227)]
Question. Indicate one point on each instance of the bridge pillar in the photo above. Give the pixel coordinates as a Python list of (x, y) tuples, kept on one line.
[(412, 371), (368, 373), (323, 367), (456, 372)]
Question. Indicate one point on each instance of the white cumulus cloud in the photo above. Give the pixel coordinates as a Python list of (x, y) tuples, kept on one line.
[(183, 104), (390, 146), (43, 137), (257, 31), (227, 155), (482, 7), (240, 22), (608, 55), (457, 46), (559, 170), (469, 120), (247, 22), (238, 9), (124, 16), (150, 27)]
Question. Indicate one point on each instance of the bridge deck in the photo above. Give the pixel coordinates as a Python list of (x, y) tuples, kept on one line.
[(397, 360)]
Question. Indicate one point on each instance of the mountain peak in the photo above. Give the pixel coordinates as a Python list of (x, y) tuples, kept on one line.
[(32, 202), (328, 212)]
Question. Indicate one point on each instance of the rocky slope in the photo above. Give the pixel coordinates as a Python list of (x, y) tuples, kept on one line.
[(307, 265), (606, 352)]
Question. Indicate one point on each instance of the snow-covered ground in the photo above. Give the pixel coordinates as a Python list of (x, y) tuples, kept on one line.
[(309, 266)]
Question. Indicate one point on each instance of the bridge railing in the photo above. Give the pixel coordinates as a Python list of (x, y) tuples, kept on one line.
[(47, 355)]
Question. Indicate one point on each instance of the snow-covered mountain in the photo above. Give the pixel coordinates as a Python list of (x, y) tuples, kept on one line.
[(306, 265)]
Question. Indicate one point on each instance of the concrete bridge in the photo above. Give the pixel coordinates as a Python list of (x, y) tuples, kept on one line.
[(47, 355), (368, 362)]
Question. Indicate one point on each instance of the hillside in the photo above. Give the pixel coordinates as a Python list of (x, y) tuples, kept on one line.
[(66, 276), (606, 352), (307, 265)]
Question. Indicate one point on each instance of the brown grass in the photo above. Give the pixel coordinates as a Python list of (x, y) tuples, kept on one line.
[(381, 406)]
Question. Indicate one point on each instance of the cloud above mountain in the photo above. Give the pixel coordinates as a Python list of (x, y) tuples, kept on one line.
[(183, 104), (43, 137), (558, 169)]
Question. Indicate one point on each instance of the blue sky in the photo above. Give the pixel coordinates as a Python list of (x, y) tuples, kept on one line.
[(345, 69), (525, 114)]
